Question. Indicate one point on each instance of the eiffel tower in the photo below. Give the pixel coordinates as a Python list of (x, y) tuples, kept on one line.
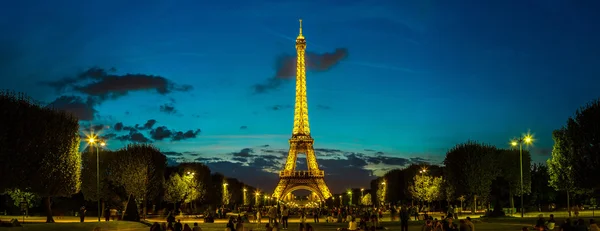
[(301, 142)]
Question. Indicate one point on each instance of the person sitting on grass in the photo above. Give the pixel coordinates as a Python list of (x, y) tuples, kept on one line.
[(352, 226), (551, 223), (427, 226), (449, 225), (593, 225), (230, 226), (239, 226), (362, 224), (308, 227), (540, 223), (196, 227), (155, 227), (178, 225)]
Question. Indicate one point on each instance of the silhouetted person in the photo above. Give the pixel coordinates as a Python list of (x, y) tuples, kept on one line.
[(178, 226), (404, 217), (196, 227), (230, 226), (107, 214), (82, 214)]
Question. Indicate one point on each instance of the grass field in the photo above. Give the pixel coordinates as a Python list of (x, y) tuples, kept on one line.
[(480, 224), (483, 224)]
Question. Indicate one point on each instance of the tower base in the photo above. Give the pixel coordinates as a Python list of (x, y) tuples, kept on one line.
[(289, 184)]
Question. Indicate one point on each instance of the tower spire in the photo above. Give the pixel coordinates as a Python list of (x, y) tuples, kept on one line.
[(300, 36)]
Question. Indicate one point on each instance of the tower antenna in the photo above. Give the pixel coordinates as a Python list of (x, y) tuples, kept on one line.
[(300, 26)]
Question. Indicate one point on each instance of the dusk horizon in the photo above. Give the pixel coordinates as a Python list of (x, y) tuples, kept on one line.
[(388, 85)]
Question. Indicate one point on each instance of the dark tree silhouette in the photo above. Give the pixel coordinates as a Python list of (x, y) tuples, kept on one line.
[(39, 149), (470, 169), (583, 132), (510, 172)]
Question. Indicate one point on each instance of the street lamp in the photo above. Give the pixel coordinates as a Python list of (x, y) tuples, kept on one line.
[(341, 201), (527, 140), (225, 192), (362, 190), (350, 196), (256, 198), (384, 191), (93, 141)]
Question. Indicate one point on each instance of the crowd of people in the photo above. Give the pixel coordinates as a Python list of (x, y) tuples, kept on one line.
[(276, 218)]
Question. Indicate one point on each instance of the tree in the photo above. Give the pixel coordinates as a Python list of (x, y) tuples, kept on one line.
[(508, 163), (19, 196), (583, 133), (366, 200), (140, 172), (541, 191), (39, 149), (472, 166), (426, 188), (560, 165), (175, 189), (201, 176), (109, 192)]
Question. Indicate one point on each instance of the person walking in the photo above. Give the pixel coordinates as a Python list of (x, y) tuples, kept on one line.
[(82, 213), (404, 217), (284, 217)]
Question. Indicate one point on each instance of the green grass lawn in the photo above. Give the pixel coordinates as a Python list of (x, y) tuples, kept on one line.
[(88, 226), (503, 224), (483, 224)]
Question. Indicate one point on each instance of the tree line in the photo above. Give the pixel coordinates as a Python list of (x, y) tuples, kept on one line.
[(475, 173), (40, 158)]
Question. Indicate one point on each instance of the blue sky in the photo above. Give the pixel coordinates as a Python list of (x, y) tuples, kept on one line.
[(399, 81)]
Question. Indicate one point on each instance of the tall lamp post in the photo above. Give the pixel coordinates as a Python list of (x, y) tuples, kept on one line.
[(526, 139), (384, 191), (350, 196), (362, 190), (225, 194), (92, 141), (256, 198)]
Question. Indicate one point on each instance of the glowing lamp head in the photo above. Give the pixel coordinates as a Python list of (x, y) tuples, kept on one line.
[(514, 143), (102, 144), (91, 140), (224, 184), (528, 139)]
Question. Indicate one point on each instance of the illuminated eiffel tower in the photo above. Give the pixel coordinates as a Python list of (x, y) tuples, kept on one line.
[(301, 142)]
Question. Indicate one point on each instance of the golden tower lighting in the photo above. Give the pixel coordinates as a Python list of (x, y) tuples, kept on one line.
[(301, 141)]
